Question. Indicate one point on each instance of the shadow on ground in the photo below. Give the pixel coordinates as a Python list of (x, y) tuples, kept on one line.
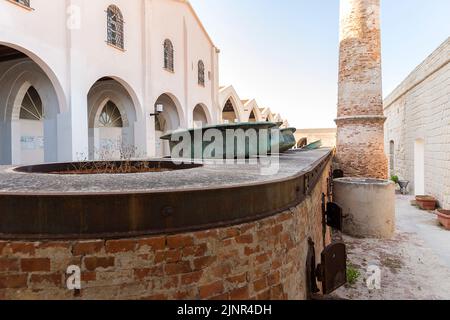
[(415, 264)]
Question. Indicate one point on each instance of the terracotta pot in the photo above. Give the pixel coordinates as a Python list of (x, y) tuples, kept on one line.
[(444, 218), (426, 202)]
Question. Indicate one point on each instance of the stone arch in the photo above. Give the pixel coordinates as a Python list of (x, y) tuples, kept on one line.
[(230, 111), (138, 110), (45, 67), (228, 95), (201, 113), (254, 113), (22, 141), (173, 111), (111, 142), (171, 119)]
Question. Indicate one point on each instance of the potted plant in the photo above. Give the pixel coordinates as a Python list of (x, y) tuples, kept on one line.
[(444, 218), (395, 179), (402, 184), (426, 202)]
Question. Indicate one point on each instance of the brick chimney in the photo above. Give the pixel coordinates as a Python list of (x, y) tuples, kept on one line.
[(360, 122)]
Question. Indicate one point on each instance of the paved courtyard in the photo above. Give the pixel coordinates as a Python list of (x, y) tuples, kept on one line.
[(415, 264)]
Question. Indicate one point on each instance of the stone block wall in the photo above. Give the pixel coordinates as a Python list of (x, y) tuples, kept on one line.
[(419, 109), (264, 259)]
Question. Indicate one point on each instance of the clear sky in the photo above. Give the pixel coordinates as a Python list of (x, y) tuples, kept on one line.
[(284, 53)]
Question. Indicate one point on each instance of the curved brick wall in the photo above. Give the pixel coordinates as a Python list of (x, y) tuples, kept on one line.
[(260, 260)]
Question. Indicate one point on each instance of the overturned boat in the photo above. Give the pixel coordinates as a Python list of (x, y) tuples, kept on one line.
[(231, 141)]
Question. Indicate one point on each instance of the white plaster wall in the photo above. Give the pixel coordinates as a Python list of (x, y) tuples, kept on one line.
[(420, 109), (31, 151), (75, 58)]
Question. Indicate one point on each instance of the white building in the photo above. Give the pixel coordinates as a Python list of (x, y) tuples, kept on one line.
[(80, 78), (418, 127)]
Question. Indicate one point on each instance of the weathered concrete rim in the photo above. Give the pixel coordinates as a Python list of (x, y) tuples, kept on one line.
[(133, 214), (216, 176), (363, 181)]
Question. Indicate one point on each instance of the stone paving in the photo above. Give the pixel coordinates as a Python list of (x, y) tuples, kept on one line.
[(415, 264)]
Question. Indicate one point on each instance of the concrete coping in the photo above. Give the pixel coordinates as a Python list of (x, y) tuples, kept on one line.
[(47, 206), (209, 176), (364, 181)]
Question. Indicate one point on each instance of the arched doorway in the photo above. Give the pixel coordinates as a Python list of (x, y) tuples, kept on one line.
[(29, 108), (419, 167), (229, 113), (200, 116), (31, 120), (169, 120), (252, 117), (112, 118)]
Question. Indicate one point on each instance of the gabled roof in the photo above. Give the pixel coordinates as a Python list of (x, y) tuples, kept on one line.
[(191, 8), (246, 106)]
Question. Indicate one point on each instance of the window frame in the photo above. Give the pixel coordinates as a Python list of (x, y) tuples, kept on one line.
[(201, 73), (26, 6), (110, 116), (26, 111), (115, 29), (169, 56)]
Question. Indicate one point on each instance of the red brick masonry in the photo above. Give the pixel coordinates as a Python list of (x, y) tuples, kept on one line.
[(260, 260)]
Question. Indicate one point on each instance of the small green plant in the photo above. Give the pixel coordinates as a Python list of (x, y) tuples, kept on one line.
[(352, 275), (395, 179)]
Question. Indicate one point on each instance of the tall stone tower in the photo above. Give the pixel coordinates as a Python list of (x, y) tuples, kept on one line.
[(360, 122)]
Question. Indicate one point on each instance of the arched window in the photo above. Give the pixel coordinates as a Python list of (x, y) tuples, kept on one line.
[(115, 27), (110, 116), (31, 108), (201, 73), (25, 3), (168, 55)]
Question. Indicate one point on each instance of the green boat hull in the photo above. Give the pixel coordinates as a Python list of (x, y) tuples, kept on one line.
[(255, 139)]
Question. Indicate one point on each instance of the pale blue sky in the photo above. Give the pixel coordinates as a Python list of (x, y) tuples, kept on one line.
[(284, 53)]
